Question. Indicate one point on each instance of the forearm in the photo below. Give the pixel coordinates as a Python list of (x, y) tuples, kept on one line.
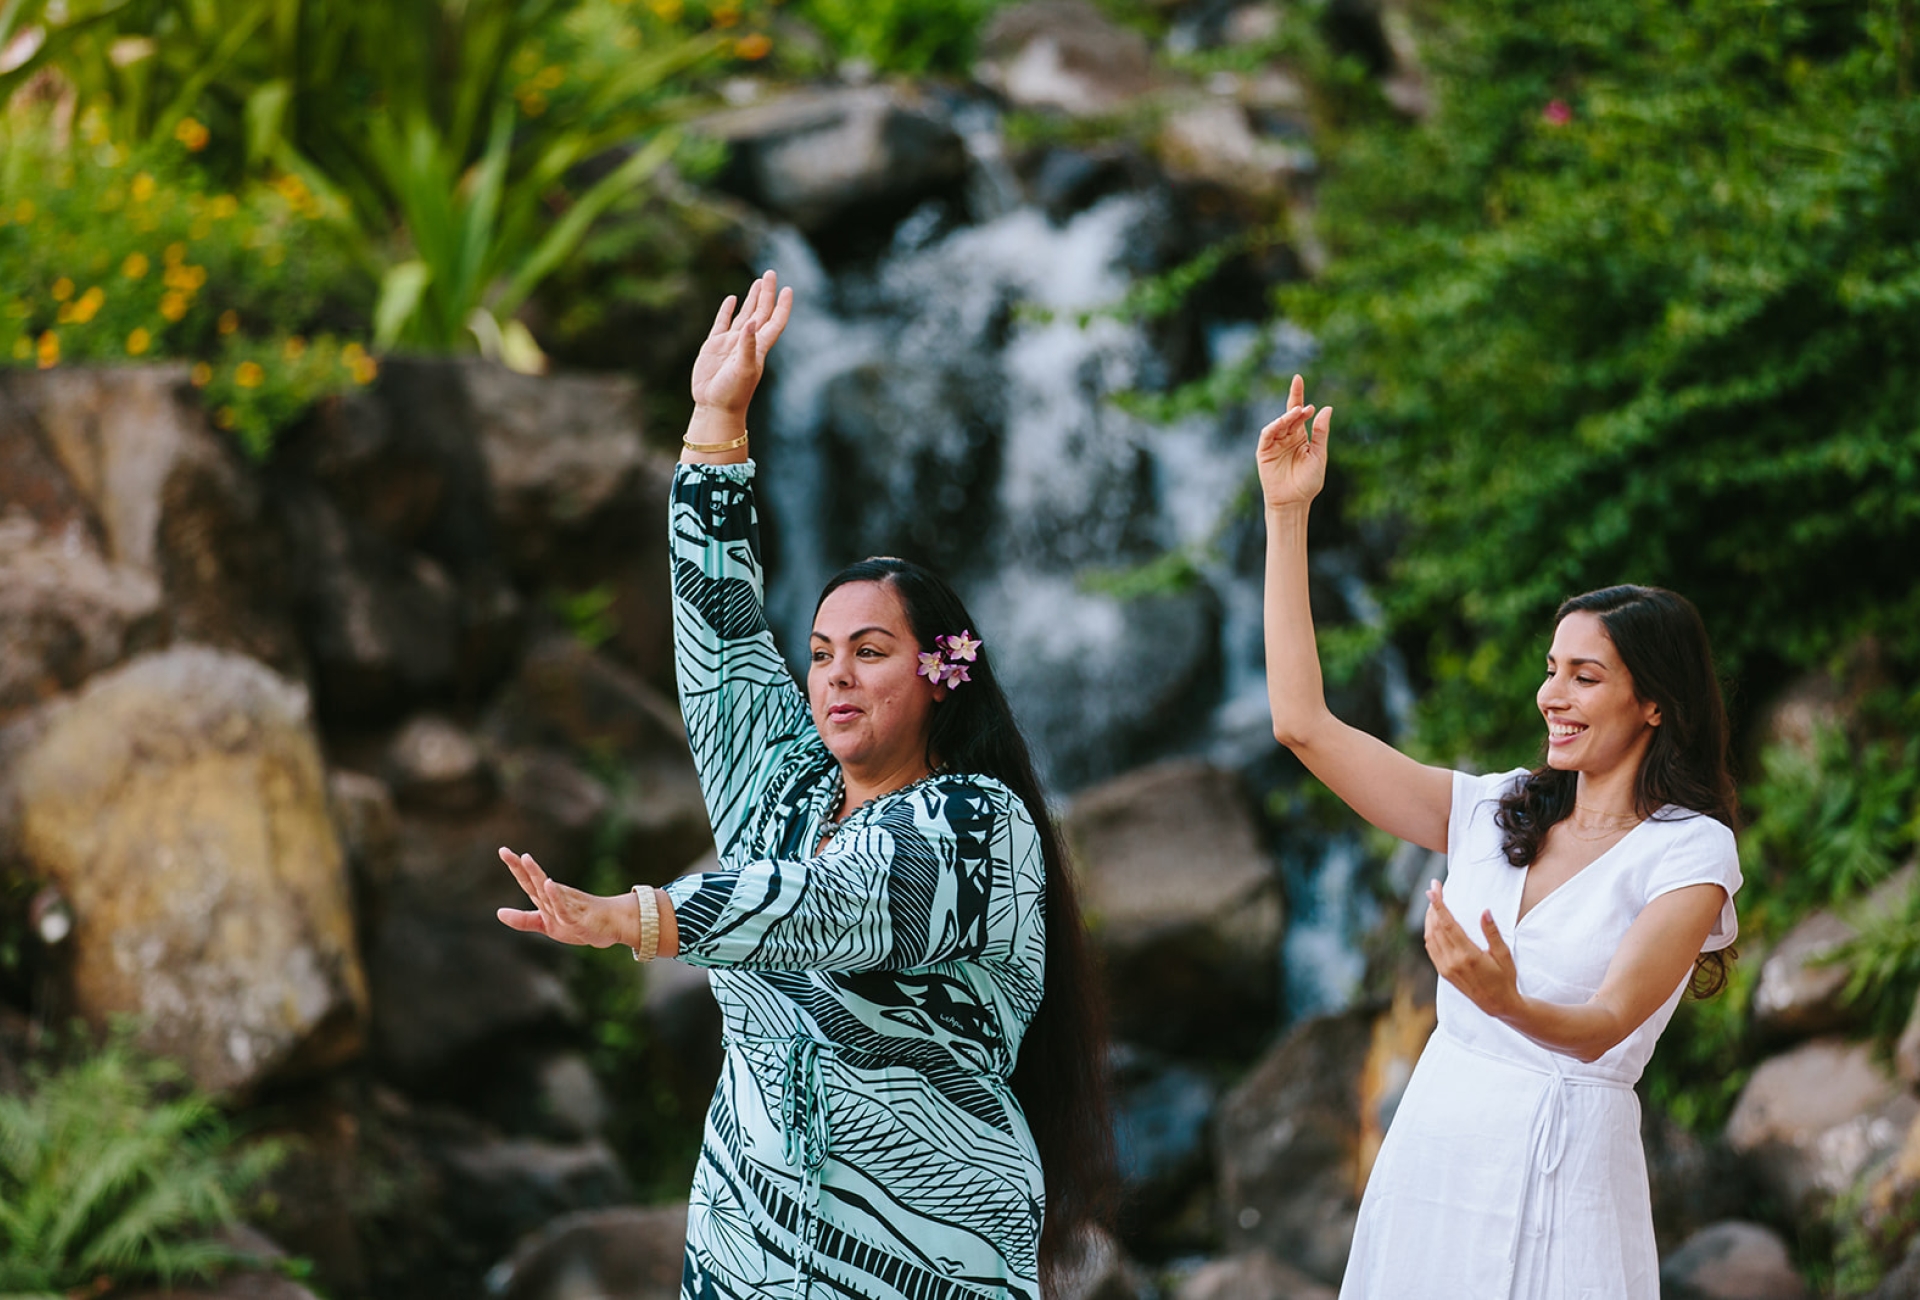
[(1585, 1031), (1295, 691), (711, 426)]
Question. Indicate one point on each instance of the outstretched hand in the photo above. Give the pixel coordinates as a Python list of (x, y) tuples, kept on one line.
[(1292, 452), (1488, 977), (734, 356), (562, 912)]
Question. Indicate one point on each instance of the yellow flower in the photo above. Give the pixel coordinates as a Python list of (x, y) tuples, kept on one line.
[(135, 267), (138, 342), (173, 304), (49, 350), (352, 354), (62, 289), (201, 375), (295, 348), (726, 15), (176, 253), (365, 370), (191, 134), (23, 211), (248, 374), (755, 45), (551, 77), (667, 10), (225, 417), (89, 305), (229, 321), (224, 206), (142, 188), (291, 187), (65, 315)]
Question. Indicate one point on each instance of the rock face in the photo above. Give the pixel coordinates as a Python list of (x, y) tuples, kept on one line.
[(180, 804), (819, 158), (1182, 900), (1811, 1121), (622, 1253), (1798, 993), (1731, 1260), (1287, 1147), (1063, 54)]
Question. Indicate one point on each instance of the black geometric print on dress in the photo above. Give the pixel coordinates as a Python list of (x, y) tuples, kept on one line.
[(727, 605)]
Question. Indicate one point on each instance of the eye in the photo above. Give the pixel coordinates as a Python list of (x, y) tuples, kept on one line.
[(870, 652), (1588, 681), (819, 656)]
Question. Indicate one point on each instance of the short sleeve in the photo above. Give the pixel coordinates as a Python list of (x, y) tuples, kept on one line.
[(1474, 798), (1703, 854)]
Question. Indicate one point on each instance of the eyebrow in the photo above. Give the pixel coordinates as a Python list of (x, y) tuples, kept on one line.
[(822, 636), (1598, 663)]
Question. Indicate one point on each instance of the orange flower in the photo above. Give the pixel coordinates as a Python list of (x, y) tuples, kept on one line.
[(191, 134), (201, 374), (173, 304), (229, 321), (48, 351), (62, 289), (294, 348), (248, 374), (754, 46), (135, 267), (138, 342), (365, 369), (89, 305)]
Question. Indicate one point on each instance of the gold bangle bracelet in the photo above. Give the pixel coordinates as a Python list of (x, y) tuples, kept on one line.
[(711, 447)]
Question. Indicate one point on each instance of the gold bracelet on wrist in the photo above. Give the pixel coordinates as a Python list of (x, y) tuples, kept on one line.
[(649, 946), (711, 447)]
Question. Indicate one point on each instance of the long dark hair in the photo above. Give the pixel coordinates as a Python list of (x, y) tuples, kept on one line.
[(1663, 643), (1060, 1077)]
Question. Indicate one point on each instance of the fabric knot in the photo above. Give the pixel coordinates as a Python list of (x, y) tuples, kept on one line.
[(803, 1123)]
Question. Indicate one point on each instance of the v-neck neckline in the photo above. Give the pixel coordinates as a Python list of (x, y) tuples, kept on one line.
[(1520, 918), (826, 829)]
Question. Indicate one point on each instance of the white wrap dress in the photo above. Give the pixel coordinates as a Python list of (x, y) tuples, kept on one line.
[(1511, 1171)]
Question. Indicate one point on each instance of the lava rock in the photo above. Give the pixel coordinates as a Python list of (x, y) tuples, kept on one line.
[(1063, 54), (179, 802), (1813, 1120), (1184, 905), (1286, 1144), (1731, 1260), (621, 1253)]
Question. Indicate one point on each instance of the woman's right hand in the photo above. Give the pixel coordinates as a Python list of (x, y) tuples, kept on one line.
[(1292, 453), (734, 356)]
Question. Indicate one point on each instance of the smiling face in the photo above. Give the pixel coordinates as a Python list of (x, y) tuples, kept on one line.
[(869, 701), (1595, 720)]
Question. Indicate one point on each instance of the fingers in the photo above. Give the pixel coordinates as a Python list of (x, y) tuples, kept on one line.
[(526, 922), (769, 334), (1322, 426), (1286, 427), (763, 310), (723, 318), (534, 883), (1297, 392), (750, 304)]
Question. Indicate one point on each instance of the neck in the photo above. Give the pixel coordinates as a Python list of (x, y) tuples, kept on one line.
[(866, 782), (1608, 794)]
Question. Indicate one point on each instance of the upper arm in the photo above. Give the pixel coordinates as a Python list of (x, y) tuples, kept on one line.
[(1658, 951), (1402, 796)]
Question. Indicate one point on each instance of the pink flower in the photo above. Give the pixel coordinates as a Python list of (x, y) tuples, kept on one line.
[(961, 647), (1557, 112), (956, 673), (931, 665)]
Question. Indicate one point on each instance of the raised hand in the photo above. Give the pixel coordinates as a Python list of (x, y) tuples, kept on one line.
[(734, 356), (1488, 978), (564, 913), (1292, 453)]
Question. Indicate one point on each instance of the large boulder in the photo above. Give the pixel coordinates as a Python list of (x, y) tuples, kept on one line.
[(1183, 902), (1813, 1120), (1063, 54), (180, 804), (1252, 1275), (1214, 140), (620, 1253), (500, 1188), (838, 156), (1731, 1260), (1287, 1147), (1803, 981), (1163, 1109), (172, 500)]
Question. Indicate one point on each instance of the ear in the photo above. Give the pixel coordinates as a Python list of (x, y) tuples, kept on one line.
[(1652, 714)]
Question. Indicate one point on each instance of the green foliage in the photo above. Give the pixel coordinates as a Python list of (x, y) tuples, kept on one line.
[(1640, 302), (108, 1168), (110, 256), (901, 35), (1705, 1057)]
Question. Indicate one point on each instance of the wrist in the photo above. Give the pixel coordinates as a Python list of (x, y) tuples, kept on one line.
[(715, 436)]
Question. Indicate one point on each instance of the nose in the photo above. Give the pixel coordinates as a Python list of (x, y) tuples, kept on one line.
[(840, 670), (1549, 693)]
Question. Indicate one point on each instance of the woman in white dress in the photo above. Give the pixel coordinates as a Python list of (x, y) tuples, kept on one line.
[(1581, 900)]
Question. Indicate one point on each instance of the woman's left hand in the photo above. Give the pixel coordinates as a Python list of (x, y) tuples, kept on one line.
[(1487, 976), (564, 913)]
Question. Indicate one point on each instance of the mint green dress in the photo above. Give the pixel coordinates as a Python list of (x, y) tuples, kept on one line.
[(863, 1139)]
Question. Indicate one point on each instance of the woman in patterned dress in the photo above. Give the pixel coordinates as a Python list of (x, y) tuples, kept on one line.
[(911, 1103)]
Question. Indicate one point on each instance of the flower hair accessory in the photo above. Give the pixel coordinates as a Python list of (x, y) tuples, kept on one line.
[(947, 666)]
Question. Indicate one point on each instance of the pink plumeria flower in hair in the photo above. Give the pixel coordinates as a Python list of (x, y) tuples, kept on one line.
[(963, 647), (931, 665), (956, 673)]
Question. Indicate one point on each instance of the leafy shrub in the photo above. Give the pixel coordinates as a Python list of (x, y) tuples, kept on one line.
[(109, 1169), (107, 256)]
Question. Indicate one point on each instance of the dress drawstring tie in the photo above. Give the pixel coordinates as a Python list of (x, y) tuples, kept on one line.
[(803, 1121)]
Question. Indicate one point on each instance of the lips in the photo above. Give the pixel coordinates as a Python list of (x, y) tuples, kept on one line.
[(1559, 733), (842, 713)]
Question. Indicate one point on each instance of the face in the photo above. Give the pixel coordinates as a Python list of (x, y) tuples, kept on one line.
[(1595, 720), (869, 701)]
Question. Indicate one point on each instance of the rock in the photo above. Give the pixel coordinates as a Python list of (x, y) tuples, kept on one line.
[(34, 485), (432, 763), (1182, 901), (1103, 1272), (1287, 1143), (568, 695), (1252, 1275), (180, 804), (65, 612), (1731, 1260), (1162, 1112), (1399, 1036), (1798, 992), (568, 1098), (683, 1024), (1212, 140), (1063, 54), (1902, 1282), (172, 500), (823, 158), (251, 1282), (1694, 1181), (621, 1253), (1906, 1052), (500, 1188), (369, 828), (1812, 1120)]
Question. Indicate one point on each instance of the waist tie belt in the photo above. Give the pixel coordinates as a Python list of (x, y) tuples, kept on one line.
[(1546, 1145), (803, 1134)]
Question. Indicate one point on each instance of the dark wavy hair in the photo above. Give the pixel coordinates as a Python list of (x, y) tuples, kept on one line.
[(1663, 643), (1060, 1078)]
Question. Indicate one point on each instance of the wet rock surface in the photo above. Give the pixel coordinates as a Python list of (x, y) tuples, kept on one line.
[(1731, 1260)]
